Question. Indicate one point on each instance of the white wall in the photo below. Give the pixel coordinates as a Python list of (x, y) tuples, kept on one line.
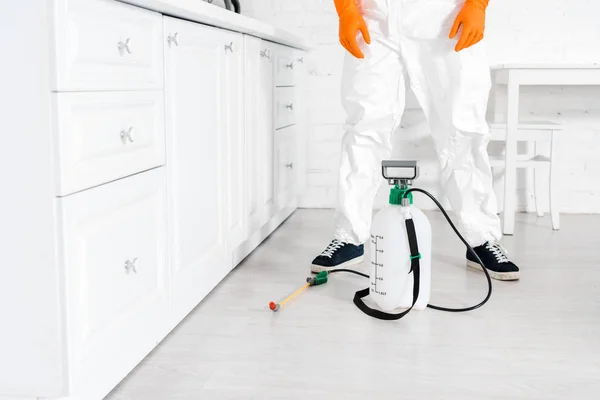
[(517, 31)]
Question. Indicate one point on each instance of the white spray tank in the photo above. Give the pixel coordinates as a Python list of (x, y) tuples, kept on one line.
[(392, 259)]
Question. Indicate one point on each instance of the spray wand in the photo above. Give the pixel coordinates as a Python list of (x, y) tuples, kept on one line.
[(316, 280)]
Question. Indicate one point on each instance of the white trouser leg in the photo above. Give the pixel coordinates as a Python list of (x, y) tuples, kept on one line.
[(453, 90), (373, 97)]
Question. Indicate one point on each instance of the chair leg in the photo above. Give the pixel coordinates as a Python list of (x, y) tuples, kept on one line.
[(554, 188), (537, 186)]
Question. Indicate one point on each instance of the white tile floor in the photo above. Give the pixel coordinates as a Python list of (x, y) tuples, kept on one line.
[(538, 338)]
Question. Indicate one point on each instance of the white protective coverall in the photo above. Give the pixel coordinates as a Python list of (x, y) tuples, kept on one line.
[(452, 89)]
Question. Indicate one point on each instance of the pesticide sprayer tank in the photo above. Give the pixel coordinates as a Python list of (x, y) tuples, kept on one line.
[(391, 284)]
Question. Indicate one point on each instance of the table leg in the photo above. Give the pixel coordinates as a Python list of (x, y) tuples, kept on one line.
[(510, 175)]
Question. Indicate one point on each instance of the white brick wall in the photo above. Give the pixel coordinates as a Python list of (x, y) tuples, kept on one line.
[(538, 31)]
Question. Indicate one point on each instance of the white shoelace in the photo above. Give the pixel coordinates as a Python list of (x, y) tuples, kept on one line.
[(498, 251), (332, 248)]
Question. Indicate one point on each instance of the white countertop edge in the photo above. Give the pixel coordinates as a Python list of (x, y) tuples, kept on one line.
[(205, 13)]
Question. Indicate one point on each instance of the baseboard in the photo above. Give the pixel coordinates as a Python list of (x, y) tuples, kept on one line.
[(247, 247)]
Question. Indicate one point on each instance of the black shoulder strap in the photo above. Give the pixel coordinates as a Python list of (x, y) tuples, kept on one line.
[(414, 268)]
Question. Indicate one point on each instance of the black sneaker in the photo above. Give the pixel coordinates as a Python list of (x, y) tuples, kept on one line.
[(338, 255), (497, 263)]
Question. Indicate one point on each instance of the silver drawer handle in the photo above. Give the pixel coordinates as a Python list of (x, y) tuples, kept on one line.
[(290, 106), (172, 39), (131, 266), (265, 54), (229, 47), (290, 165), (124, 46), (126, 135), (290, 65)]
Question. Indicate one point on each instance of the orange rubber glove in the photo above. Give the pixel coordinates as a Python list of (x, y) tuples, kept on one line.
[(351, 21), (472, 19)]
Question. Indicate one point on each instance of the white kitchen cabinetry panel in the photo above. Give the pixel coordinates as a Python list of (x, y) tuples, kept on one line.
[(107, 45), (259, 131), (285, 164), (285, 65), (115, 262), (285, 107), (232, 103), (104, 136), (195, 60), (301, 115)]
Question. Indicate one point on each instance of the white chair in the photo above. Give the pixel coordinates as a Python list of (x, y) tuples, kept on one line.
[(535, 133)]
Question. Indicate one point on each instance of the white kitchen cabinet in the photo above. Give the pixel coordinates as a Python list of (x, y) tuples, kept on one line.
[(158, 151), (260, 198), (107, 45), (285, 66), (285, 107), (285, 165), (233, 117), (116, 280), (105, 136), (196, 70)]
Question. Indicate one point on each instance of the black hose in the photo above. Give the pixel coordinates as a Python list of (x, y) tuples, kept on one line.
[(352, 271), (487, 275)]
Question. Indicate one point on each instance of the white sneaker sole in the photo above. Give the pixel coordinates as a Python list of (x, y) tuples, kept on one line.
[(319, 268), (500, 276)]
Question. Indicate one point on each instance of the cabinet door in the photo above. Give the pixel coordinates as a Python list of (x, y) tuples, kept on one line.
[(116, 279), (286, 165), (235, 146), (300, 109), (195, 60), (259, 56)]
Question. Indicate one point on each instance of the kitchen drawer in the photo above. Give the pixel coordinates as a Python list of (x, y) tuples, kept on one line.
[(285, 107), (285, 165), (103, 136), (114, 246), (107, 45), (286, 64)]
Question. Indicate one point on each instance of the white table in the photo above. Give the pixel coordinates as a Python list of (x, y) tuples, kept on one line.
[(515, 76)]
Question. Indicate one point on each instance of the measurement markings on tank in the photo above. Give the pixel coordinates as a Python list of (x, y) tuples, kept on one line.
[(375, 239)]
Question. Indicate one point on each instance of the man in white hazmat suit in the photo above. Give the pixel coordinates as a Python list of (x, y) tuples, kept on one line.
[(438, 43)]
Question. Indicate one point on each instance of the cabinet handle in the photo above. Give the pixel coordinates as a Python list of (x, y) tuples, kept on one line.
[(124, 46), (172, 39), (290, 165), (290, 65), (131, 266), (229, 47), (126, 135), (290, 106), (265, 54)]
